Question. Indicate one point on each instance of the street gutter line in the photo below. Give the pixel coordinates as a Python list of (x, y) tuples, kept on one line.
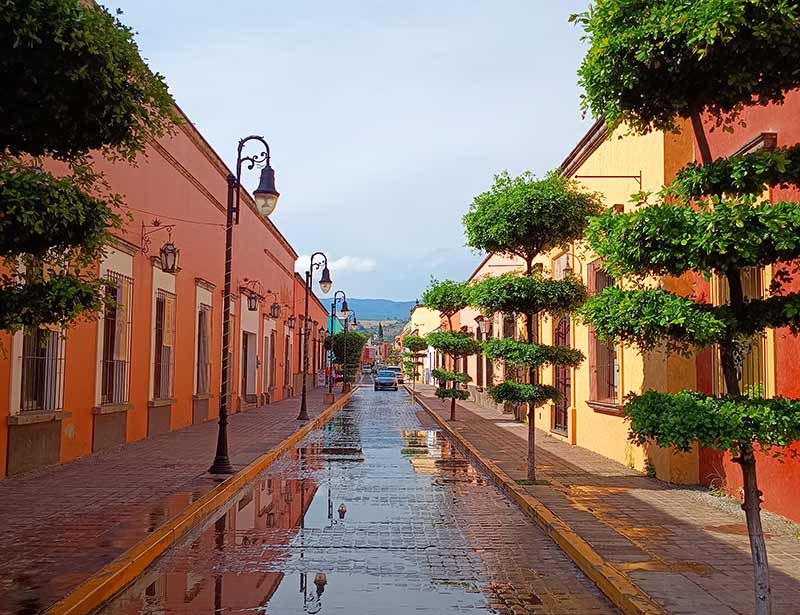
[(620, 589), (115, 576)]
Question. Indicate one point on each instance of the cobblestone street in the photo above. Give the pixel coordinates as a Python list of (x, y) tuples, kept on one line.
[(375, 513)]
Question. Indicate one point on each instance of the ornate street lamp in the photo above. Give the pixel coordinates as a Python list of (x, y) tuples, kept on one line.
[(339, 294), (266, 197), (325, 284), (290, 321), (168, 254), (483, 324)]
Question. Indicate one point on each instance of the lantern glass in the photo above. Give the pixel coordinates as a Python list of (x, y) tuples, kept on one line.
[(325, 281), (291, 322), (169, 257), (345, 311), (483, 323), (266, 196), (275, 310), (252, 302)]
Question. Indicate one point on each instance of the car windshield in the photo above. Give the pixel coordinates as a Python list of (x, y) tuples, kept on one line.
[(386, 373)]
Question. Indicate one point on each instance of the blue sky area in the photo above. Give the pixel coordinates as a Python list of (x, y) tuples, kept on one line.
[(385, 118)]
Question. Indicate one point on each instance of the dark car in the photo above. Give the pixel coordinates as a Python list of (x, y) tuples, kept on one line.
[(385, 380)]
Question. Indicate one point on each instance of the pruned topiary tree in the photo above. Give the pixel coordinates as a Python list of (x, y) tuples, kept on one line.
[(448, 297), (650, 63), (455, 344), (528, 217), (73, 84), (416, 346)]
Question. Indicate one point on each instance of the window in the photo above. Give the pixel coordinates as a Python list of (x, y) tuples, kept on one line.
[(115, 357), (560, 266), (204, 349), (603, 364), (287, 362), (753, 372), (489, 362), (563, 380), (479, 359), (42, 370), (165, 345)]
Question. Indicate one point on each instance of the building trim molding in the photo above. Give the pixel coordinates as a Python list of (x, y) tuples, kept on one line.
[(593, 139)]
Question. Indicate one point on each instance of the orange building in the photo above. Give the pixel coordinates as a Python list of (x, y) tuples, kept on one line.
[(152, 363)]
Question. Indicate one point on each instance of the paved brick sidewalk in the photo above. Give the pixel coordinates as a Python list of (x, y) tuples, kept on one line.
[(689, 554), (62, 524)]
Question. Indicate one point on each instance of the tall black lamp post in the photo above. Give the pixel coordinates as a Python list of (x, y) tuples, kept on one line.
[(266, 198), (325, 284), (345, 311)]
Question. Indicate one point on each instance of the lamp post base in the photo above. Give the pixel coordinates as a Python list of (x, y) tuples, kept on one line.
[(221, 466)]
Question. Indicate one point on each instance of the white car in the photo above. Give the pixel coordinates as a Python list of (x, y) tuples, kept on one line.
[(398, 372)]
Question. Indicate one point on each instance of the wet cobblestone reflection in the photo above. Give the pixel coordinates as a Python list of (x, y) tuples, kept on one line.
[(374, 513)]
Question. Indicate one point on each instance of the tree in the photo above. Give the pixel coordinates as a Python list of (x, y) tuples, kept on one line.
[(73, 82), (448, 297), (649, 64), (417, 347), (380, 332), (527, 217), (455, 344), (347, 348)]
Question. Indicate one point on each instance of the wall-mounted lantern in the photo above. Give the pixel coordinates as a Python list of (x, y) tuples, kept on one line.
[(291, 320), (168, 254), (483, 324), (254, 292)]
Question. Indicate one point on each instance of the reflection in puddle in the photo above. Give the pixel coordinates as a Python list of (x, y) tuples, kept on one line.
[(372, 514)]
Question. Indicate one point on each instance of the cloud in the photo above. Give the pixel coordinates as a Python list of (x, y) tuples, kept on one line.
[(355, 264)]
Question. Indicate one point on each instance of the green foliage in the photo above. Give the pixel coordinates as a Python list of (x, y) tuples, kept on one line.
[(652, 62), (672, 238), (56, 299), (455, 343), (445, 296), (681, 419), (415, 343), (526, 216), (516, 293), (74, 81), (532, 355), (443, 376), (452, 394), (516, 393), (648, 317), (743, 174), (347, 347), (45, 216)]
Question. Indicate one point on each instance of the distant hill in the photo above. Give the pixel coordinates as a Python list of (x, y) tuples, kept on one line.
[(380, 309), (391, 328)]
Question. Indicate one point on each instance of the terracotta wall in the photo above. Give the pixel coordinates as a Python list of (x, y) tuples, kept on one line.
[(179, 181), (779, 478)]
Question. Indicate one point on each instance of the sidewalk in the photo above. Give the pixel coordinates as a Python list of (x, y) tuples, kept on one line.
[(62, 524), (688, 550)]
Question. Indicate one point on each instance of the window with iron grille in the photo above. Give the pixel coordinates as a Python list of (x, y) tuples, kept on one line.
[(753, 371), (603, 363), (165, 345), (563, 378), (204, 349), (42, 370), (116, 353)]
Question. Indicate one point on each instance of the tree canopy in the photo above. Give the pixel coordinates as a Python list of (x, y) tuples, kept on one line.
[(448, 297), (454, 343), (516, 293), (650, 62), (74, 81), (532, 355), (415, 343), (525, 216)]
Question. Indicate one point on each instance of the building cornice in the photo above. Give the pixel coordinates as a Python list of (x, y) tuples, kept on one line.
[(593, 139)]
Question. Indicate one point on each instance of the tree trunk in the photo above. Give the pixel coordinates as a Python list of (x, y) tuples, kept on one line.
[(453, 406), (758, 546), (702, 141), (531, 443)]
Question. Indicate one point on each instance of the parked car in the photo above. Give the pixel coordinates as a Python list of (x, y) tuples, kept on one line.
[(385, 379), (398, 372)]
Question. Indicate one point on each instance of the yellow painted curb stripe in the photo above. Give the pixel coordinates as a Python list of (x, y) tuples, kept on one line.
[(116, 575), (615, 584)]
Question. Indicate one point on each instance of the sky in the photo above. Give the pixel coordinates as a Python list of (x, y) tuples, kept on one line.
[(384, 118)]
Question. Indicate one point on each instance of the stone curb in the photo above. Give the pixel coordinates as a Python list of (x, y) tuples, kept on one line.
[(615, 584), (116, 575)]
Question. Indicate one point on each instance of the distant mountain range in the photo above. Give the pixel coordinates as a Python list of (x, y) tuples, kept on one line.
[(380, 309)]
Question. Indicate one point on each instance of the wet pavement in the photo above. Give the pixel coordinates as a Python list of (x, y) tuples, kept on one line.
[(373, 513)]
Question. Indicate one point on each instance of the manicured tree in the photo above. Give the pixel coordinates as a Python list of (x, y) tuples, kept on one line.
[(73, 83), (448, 297), (417, 347), (455, 344), (650, 63), (527, 217), (347, 348)]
